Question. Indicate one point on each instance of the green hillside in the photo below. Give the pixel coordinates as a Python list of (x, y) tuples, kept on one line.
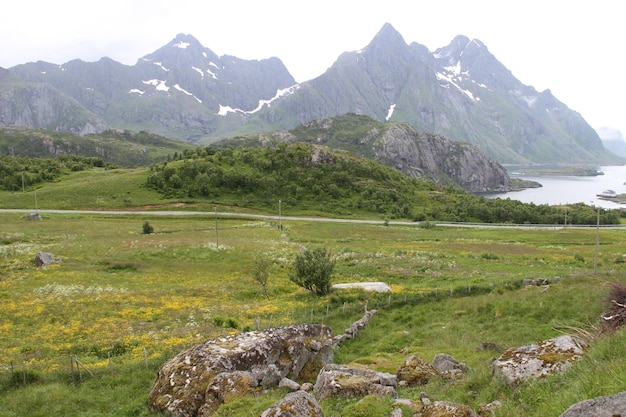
[(118, 147)]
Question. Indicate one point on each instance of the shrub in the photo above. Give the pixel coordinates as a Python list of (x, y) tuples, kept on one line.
[(226, 322), (147, 228), (313, 270)]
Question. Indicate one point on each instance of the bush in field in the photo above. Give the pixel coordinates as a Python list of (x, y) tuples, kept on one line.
[(147, 228), (260, 273), (313, 270)]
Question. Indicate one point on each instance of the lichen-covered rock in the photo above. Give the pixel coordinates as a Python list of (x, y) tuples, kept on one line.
[(448, 367), (347, 382), (415, 371), (225, 387), (447, 409), (538, 360), (608, 406), (187, 382), (295, 404)]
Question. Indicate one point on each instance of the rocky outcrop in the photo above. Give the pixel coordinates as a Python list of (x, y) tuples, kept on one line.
[(296, 404), (608, 406), (418, 154), (198, 380), (538, 360), (414, 153), (43, 106), (347, 382)]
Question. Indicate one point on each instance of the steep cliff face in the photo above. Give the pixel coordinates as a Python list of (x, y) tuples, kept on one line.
[(42, 106), (412, 152), (418, 154)]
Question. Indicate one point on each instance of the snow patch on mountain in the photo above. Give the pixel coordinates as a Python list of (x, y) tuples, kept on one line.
[(158, 84), (160, 65), (224, 110), (182, 90), (199, 71), (390, 112), (447, 78), (181, 45)]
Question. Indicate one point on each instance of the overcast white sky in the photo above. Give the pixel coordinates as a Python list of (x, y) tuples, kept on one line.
[(573, 47)]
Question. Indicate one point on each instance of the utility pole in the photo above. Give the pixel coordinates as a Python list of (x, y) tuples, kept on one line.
[(217, 240), (595, 261), (280, 221)]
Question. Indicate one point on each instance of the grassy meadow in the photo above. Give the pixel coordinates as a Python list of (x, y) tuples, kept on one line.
[(123, 302)]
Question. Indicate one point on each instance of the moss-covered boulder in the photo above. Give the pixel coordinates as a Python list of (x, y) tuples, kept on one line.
[(415, 371), (347, 382), (538, 360), (447, 409), (295, 404), (206, 375)]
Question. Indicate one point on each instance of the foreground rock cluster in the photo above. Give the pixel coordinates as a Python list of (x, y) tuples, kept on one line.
[(299, 358)]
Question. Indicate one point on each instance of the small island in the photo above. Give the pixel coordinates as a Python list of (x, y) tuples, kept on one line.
[(570, 171)]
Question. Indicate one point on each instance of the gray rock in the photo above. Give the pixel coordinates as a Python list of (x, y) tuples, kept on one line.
[(44, 259), (265, 357), (290, 384), (448, 367), (538, 360), (347, 382), (608, 406), (295, 404)]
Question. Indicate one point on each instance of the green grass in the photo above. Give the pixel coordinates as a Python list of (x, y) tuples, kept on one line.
[(139, 299)]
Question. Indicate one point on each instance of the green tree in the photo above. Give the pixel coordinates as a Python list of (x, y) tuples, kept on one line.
[(261, 272), (313, 270)]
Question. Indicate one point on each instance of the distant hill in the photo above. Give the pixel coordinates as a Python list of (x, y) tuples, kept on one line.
[(613, 140), (397, 145), (123, 148), (185, 91)]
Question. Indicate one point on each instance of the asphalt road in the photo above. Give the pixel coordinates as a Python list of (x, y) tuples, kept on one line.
[(307, 219)]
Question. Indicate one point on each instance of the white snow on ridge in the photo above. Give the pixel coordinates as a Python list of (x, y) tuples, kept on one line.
[(136, 91), (212, 74), (158, 84), (455, 69), (224, 110), (158, 64), (213, 64), (390, 112), (182, 90), (450, 81), (199, 71), (181, 45)]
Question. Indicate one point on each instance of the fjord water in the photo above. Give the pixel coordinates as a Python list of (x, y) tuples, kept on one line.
[(570, 189)]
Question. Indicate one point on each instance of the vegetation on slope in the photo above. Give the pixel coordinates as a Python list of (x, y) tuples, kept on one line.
[(118, 147), (317, 179)]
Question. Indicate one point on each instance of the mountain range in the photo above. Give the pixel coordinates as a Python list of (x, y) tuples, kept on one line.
[(185, 91)]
